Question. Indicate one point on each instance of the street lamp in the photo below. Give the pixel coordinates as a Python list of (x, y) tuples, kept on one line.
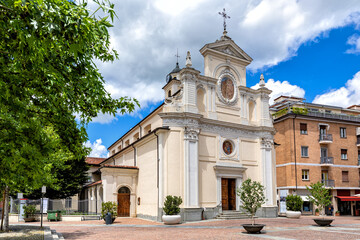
[(43, 191)]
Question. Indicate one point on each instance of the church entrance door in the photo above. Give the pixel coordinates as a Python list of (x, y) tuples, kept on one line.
[(228, 193), (123, 209)]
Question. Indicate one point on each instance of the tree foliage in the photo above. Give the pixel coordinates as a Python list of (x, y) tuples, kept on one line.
[(171, 205), (252, 196), (293, 202), (48, 76), (319, 196)]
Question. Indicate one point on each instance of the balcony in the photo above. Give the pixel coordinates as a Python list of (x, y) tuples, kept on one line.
[(325, 138), (326, 160), (328, 183)]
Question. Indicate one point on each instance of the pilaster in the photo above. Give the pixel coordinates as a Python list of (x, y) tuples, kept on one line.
[(268, 174)]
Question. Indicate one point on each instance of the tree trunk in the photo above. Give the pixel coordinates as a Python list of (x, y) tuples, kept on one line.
[(2, 212), (6, 209)]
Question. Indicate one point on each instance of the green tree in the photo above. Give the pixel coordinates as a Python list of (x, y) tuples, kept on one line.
[(319, 196), (252, 196), (48, 76), (171, 205)]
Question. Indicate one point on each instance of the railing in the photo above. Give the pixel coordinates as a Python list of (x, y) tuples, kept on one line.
[(326, 160), (359, 160), (325, 137), (328, 183), (334, 116)]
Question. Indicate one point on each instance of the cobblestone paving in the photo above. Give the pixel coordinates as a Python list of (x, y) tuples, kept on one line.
[(276, 228), (19, 233)]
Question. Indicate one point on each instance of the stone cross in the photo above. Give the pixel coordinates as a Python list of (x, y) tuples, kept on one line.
[(225, 16), (177, 55)]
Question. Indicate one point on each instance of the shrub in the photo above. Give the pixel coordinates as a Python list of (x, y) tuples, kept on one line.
[(108, 207), (29, 211), (252, 196), (293, 203), (171, 205)]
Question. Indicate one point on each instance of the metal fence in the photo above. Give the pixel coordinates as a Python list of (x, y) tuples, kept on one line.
[(67, 206)]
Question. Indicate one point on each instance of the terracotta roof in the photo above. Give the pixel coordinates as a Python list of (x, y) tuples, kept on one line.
[(94, 160), (119, 166), (94, 183)]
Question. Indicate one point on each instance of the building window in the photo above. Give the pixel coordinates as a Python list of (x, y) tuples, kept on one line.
[(304, 151), (343, 132), (344, 154), (68, 203), (305, 174), (303, 128), (345, 176)]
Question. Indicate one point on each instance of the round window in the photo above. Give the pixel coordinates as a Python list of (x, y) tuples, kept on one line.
[(228, 147)]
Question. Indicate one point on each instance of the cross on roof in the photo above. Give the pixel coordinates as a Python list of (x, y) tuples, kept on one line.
[(225, 16), (177, 56)]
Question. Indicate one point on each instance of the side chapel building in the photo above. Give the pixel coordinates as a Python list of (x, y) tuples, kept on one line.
[(210, 134)]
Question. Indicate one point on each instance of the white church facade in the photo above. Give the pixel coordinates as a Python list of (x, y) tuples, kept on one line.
[(210, 134)]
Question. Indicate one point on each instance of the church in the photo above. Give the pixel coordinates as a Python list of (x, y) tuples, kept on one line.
[(210, 134)]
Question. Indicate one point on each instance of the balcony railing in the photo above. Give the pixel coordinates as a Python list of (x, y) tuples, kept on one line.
[(328, 183), (325, 138), (326, 160)]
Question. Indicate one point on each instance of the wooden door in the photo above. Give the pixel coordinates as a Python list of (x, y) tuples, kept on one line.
[(123, 205), (225, 194), (232, 194)]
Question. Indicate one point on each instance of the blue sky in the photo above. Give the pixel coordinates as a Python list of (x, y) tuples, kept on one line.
[(305, 49)]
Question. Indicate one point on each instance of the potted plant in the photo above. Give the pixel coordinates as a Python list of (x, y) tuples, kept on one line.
[(317, 212), (337, 213), (320, 197), (29, 213), (252, 196), (293, 206), (172, 210), (109, 207)]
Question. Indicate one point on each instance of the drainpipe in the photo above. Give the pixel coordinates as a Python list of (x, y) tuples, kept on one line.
[(134, 155), (296, 185)]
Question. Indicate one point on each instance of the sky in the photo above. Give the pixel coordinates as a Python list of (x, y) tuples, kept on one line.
[(304, 48)]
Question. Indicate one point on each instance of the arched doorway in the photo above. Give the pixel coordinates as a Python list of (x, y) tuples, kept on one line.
[(123, 209)]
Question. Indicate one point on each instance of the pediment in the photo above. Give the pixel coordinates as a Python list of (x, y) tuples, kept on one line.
[(227, 47)]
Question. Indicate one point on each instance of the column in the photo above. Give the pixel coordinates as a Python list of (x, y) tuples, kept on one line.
[(161, 169), (191, 167), (268, 176)]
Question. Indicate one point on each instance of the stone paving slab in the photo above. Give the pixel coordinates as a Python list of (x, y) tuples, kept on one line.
[(276, 228)]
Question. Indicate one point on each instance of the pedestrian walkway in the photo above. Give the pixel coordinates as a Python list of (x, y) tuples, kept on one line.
[(276, 228)]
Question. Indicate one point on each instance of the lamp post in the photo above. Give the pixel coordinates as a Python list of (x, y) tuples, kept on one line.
[(43, 191)]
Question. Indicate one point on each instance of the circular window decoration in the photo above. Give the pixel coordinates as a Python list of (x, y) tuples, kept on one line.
[(228, 147), (227, 88)]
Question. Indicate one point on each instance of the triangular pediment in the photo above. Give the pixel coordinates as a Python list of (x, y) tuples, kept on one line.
[(226, 47)]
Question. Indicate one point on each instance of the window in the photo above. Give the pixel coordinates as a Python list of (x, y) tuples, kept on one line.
[(304, 151), (343, 132), (344, 154), (169, 93), (345, 176), (127, 142), (328, 111), (68, 202), (305, 174), (147, 129), (303, 128), (113, 152)]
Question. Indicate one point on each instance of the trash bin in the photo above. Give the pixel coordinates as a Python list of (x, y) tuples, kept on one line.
[(54, 215), (108, 218)]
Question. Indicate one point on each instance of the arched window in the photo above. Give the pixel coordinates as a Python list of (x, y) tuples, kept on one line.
[(200, 100), (124, 190), (252, 116)]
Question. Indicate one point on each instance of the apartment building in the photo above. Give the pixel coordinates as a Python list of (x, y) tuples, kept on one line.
[(317, 143)]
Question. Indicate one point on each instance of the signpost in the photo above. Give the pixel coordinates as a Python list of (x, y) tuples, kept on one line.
[(43, 191)]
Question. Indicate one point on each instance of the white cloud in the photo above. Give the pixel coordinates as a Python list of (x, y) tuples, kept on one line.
[(279, 88), (148, 32), (344, 96), (97, 149), (355, 41)]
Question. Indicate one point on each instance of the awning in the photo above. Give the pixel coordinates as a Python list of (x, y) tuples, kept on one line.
[(348, 198), (305, 198)]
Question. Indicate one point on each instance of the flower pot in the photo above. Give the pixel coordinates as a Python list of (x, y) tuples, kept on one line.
[(256, 228), (171, 219), (323, 221), (293, 214), (337, 214), (29, 219), (316, 213)]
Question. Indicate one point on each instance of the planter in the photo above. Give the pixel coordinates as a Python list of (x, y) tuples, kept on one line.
[(323, 221), (316, 213), (171, 219), (337, 214), (293, 214), (256, 228), (29, 219)]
